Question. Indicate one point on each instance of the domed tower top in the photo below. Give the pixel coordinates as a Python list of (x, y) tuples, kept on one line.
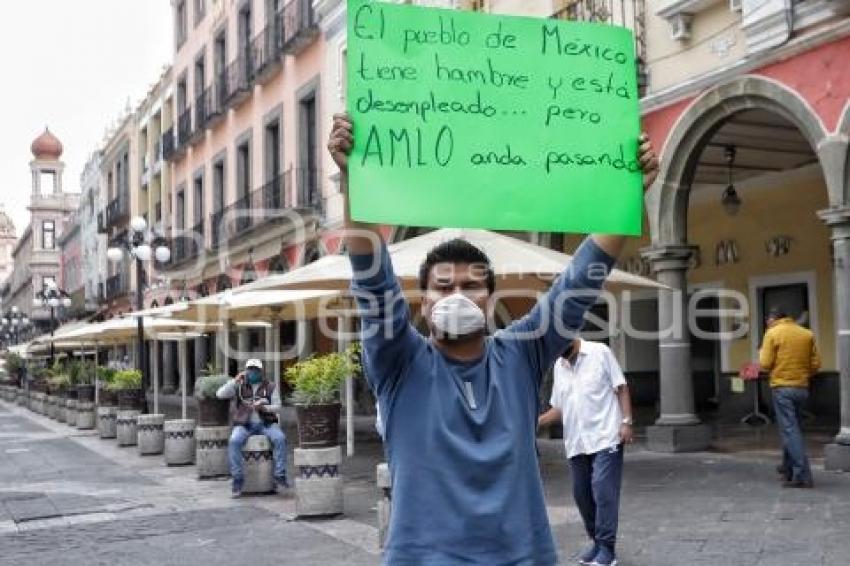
[(46, 146)]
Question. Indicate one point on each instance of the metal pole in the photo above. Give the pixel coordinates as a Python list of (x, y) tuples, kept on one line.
[(140, 353), (183, 360), (156, 377), (52, 326)]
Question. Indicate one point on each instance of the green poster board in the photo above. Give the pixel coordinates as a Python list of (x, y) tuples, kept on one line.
[(473, 120)]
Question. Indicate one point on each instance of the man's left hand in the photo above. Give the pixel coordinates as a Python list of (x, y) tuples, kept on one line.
[(648, 161), (627, 434)]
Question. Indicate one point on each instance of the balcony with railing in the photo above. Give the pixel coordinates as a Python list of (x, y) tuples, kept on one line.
[(239, 79), (116, 286), (118, 210), (209, 106), (624, 13), (266, 51), (184, 129), (169, 148), (300, 26), (309, 189), (259, 208), (201, 109)]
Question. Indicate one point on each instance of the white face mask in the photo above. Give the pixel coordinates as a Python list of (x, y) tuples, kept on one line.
[(457, 315)]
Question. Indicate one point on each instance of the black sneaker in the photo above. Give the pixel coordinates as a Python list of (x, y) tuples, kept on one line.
[(236, 489), (281, 484), (587, 555), (605, 557), (799, 484)]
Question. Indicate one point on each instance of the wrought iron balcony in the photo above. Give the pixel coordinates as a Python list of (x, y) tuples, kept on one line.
[(300, 26), (118, 211), (309, 188), (260, 207), (196, 240), (209, 106), (184, 128), (624, 13), (239, 79), (168, 144), (266, 51), (116, 286)]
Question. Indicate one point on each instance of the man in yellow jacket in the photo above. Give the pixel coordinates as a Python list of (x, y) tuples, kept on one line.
[(790, 355)]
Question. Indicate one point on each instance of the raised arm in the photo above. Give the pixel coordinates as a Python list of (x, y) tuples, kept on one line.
[(387, 335), (361, 238)]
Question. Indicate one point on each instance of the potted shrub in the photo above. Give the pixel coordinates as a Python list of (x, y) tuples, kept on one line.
[(212, 411), (316, 384), (127, 383), (81, 376), (16, 368), (107, 397)]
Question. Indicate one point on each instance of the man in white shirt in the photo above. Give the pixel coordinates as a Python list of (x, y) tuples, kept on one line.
[(590, 397)]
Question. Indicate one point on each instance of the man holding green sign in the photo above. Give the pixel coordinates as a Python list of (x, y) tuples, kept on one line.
[(460, 408)]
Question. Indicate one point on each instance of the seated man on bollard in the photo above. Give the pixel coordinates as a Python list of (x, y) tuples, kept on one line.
[(257, 404)]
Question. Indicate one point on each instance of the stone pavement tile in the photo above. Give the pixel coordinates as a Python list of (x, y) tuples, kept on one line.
[(814, 557)]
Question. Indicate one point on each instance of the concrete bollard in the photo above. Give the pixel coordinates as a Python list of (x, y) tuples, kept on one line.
[(212, 451), (258, 465), (50, 407), (71, 412), (384, 502), (37, 405), (179, 442), (318, 487), (107, 422), (151, 436), (126, 427), (85, 415), (21, 398)]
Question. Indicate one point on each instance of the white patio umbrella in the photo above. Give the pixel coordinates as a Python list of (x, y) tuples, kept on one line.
[(517, 265)]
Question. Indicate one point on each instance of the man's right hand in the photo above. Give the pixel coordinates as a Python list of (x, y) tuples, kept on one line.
[(341, 141)]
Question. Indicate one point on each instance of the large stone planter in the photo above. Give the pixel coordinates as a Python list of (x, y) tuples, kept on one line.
[(107, 422), (385, 485), (179, 442), (318, 487), (211, 455), (126, 427), (151, 436), (37, 405), (85, 415), (258, 465), (50, 407), (318, 425), (71, 412), (21, 397), (60, 408)]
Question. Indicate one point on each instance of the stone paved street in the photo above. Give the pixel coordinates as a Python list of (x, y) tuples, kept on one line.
[(67, 497)]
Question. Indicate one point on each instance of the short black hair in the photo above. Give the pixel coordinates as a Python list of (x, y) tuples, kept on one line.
[(776, 313), (456, 250)]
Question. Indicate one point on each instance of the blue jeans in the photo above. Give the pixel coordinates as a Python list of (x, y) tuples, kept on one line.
[(596, 490), (240, 435), (788, 403)]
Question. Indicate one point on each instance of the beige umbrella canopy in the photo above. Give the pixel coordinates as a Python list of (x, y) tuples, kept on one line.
[(301, 304), (517, 265), (123, 330)]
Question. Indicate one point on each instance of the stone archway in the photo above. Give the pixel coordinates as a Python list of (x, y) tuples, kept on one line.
[(668, 198), (678, 428)]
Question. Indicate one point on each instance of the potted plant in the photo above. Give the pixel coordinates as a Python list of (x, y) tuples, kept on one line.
[(127, 383), (81, 376), (16, 367), (107, 396), (316, 384), (212, 411)]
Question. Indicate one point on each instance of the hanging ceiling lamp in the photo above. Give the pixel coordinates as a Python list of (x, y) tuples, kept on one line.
[(731, 201)]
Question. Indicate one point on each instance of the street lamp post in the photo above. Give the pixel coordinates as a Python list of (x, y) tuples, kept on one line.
[(141, 251), (52, 297), (13, 324)]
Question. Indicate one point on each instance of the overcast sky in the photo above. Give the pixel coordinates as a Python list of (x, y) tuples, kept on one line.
[(71, 65)]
